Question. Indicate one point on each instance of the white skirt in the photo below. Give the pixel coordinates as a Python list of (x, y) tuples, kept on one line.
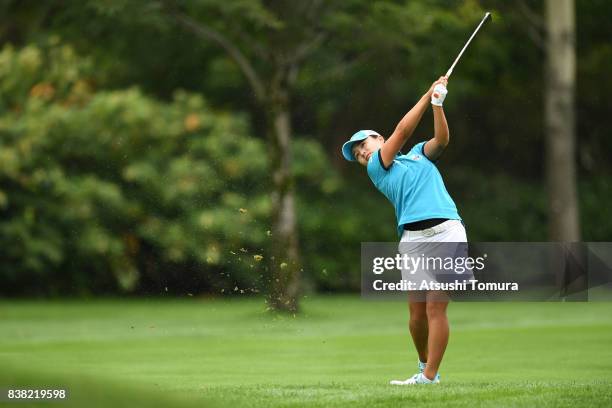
[(436, 254)]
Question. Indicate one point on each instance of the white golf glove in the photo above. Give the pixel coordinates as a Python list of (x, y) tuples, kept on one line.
[(438, 94)]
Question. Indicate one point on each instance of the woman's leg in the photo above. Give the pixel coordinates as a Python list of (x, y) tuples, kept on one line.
[(418, 324), (437, 303)]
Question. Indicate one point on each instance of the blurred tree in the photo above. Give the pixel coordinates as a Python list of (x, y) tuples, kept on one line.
[(105, 191), (276, 38), (113, 190), (555, 34), (560, 122), (375, 60), (271, 43)]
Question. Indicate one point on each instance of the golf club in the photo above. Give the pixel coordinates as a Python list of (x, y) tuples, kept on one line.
[(486, 17)]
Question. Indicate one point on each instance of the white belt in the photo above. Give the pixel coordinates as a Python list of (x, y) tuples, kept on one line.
[(436, 229)]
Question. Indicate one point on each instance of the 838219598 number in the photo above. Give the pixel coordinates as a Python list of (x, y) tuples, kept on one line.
[(41, 393)]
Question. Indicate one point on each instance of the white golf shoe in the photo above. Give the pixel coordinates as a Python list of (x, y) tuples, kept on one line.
[(417, 379)]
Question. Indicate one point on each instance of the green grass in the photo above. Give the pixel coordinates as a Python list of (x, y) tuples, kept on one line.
[(341, 351)]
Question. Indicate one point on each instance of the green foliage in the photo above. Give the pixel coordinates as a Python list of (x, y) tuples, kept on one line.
[(112, 190), (497, 207), (112, 179), (595, 214), (335, 216), (119, 185)]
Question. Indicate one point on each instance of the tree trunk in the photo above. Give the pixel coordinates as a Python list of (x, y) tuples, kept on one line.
[(285, 263), (560, 121), (273, 97)]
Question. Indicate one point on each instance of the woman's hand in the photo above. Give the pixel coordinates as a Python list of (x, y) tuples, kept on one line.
[(438, 91), (442, 80)]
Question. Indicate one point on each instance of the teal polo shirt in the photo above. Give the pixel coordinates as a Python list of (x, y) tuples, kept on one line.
[(414, 186)]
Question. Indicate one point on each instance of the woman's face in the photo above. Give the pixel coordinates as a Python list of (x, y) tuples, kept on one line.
[(364, 149)]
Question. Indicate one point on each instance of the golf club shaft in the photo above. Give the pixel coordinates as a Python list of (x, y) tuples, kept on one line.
[(450, 70)]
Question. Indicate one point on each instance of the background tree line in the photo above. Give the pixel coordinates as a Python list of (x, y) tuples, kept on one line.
[(188, 147)]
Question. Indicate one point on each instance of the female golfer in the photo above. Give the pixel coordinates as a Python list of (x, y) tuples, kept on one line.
[(425, 213)]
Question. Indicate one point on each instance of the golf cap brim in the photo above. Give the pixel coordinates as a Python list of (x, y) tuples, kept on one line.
[(347, 148)]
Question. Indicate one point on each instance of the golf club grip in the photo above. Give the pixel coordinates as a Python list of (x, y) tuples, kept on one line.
[(486, 17)]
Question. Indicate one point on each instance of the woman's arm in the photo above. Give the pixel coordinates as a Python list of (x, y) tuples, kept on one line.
[(406, 127), (435, 146)]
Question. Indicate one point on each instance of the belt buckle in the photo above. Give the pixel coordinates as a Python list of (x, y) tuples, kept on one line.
[(428, 232)]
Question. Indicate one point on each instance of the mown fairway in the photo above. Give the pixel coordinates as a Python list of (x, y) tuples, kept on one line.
[(341, 351)]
